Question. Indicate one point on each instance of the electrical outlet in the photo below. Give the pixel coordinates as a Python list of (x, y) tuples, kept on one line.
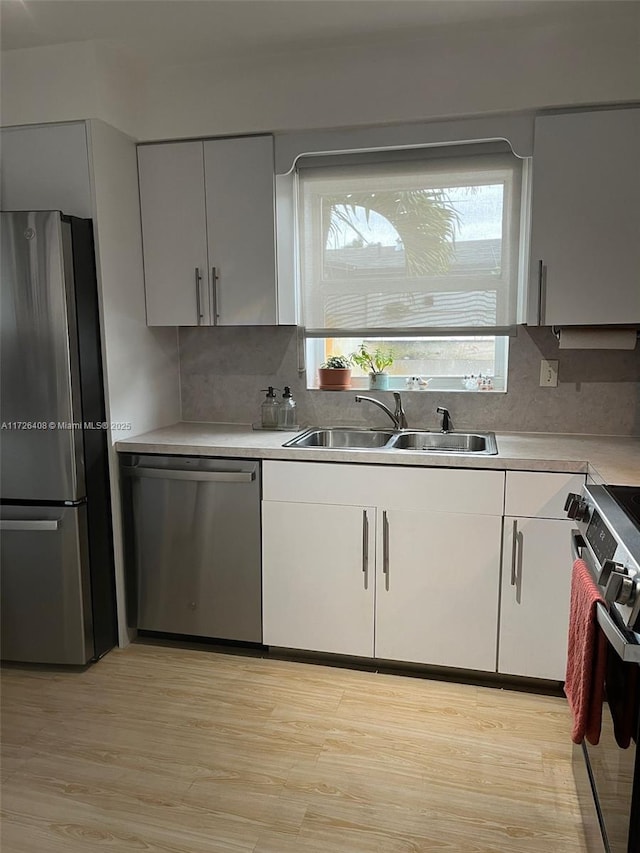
[(549, 373)]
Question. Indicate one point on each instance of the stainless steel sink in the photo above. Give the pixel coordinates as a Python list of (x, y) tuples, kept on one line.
[(343, 438), (446, 442), (353, 438)]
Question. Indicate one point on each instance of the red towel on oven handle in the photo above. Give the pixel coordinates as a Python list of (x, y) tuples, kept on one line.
[(586, 658)]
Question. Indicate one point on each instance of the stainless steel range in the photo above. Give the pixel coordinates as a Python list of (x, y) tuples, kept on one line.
[(608, 540), (608, 520)]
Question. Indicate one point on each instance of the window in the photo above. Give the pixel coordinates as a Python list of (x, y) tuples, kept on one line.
[(469, 363), (417, 252)]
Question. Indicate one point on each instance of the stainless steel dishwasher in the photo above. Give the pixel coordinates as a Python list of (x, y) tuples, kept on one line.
[(192, 543)]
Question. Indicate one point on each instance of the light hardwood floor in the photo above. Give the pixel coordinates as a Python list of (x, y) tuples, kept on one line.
[(166, 750)]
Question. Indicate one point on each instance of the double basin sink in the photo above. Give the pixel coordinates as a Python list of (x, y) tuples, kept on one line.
[(353, 438)]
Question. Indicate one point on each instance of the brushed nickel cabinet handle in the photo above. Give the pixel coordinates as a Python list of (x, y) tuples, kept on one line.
[(514, 554), (215, 316), (542, 292), (365, 542), (385, 546), (198, 299)]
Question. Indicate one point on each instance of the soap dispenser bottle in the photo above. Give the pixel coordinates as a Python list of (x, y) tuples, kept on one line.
[(270, 409), (287, 413)]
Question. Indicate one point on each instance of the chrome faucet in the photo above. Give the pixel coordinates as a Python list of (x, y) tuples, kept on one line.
[(398, 417), (447, 423)]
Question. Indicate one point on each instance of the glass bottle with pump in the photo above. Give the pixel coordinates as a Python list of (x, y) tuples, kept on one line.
[(287, 413), (269, 410)]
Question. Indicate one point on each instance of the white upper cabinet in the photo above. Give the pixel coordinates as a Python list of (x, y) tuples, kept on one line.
[(585, 225), (174, 234), (208, 231), (239, 187)]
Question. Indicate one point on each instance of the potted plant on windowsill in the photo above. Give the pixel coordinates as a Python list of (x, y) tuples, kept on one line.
[(374, 363), (335, 374)]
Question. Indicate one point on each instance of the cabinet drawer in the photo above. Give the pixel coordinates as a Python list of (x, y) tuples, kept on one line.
[(432, 489), (535, 494)]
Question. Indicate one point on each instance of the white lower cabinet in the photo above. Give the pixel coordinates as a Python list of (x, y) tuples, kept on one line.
[(536, 574), (437, 592), (318, 591), (408, 566), (534, 612), (402, 579)]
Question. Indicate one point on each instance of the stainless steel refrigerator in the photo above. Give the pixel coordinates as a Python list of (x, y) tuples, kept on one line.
[(56, 548)]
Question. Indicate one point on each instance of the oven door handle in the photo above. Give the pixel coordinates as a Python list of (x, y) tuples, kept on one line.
[(577, 543), (628, 651)]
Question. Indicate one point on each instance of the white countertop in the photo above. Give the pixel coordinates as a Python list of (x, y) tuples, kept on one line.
[(609, 459)]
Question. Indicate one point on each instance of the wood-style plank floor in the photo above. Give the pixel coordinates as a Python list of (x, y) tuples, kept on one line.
[(167, 750)]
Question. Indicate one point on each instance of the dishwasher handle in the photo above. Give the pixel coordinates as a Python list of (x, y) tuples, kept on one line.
[(139, 471)]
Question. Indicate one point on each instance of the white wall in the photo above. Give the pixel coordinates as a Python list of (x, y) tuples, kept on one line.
[(46, 167), (454, 72), (68, 82), (458, 70), (120, 89), (48, 84), (141, 364)]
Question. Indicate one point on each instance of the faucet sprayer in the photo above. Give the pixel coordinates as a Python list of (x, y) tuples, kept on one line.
[(447, 423)]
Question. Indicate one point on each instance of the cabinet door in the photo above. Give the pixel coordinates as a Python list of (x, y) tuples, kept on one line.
[(534, 610), (437, 588), (318, 577), (174, 234), (239, 180), (586, 219)]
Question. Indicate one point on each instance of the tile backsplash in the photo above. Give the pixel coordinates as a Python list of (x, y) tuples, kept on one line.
[(223, 369)]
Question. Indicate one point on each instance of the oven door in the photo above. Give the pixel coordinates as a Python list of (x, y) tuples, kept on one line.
[(613, 765)]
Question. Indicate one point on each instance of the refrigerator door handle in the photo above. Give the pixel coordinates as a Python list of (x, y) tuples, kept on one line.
[(30, 524)]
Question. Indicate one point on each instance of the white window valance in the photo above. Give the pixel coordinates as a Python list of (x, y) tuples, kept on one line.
[(517, 131)]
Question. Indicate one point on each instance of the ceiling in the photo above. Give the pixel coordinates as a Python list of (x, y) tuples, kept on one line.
[(182, 31)]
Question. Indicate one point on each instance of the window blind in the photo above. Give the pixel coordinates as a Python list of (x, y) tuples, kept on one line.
[(421, 244)]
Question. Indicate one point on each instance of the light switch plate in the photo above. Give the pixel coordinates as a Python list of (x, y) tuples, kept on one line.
[(549, 373)]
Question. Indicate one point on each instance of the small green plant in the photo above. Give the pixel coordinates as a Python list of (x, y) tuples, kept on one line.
[(372, 362), (337, 362)]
